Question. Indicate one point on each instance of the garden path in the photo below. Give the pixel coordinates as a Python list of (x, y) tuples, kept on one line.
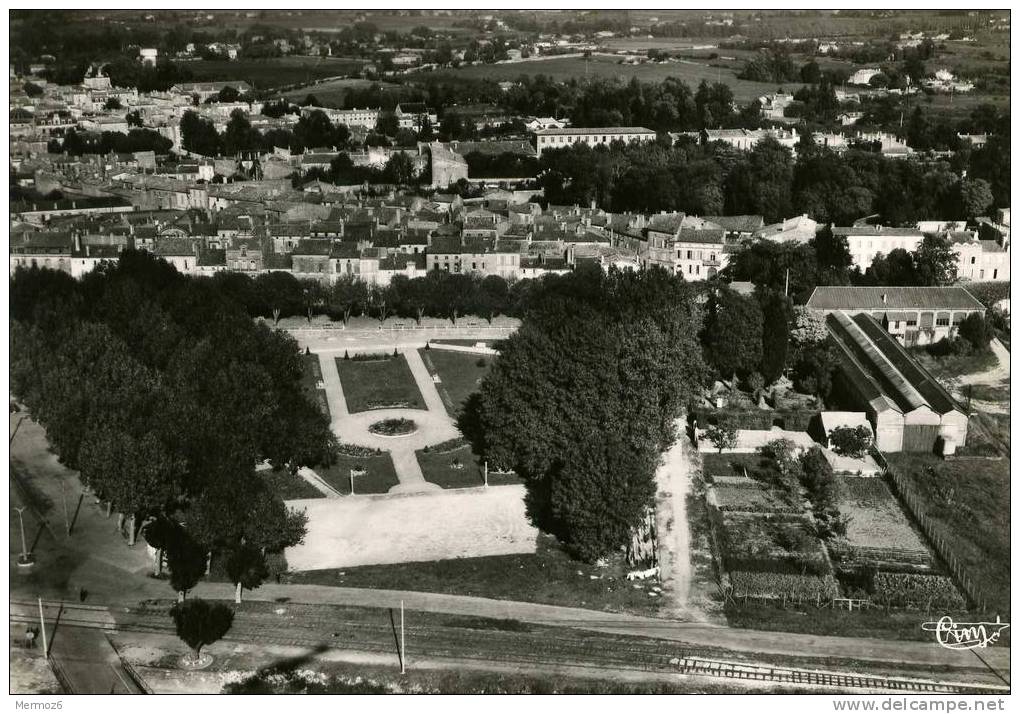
[(434, 424), (674, 537)]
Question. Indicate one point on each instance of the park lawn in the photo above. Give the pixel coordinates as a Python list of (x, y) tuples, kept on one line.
[(379, 477), (460, 372), (548, 576), (310, 377), (968, 501), (378, 384), (440, 468), (289, 486)]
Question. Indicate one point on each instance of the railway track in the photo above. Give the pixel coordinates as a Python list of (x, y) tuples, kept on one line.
[(466, 638)]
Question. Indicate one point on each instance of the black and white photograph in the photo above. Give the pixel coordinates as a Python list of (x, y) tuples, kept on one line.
[(521, 351)]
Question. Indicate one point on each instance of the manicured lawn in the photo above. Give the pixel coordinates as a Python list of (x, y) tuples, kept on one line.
[(289, 487), (548, 576), (379, 475), (460, 373), (378, 384), (310, 378), (441, 468), (969, 502)]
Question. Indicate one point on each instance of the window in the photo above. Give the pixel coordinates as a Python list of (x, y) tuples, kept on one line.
[(942, 322), (911, 323), (995, 274), (712, 257), (690, 254), (972, 259), (981, 276)]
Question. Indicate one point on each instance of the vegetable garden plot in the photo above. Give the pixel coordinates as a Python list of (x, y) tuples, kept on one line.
[(876, 519)]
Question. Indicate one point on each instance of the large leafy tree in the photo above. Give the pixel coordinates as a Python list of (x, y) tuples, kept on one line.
[(935, 261), (584, 397), (732, 333)]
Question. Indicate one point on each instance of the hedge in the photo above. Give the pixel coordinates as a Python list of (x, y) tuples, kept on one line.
[(759, 419)]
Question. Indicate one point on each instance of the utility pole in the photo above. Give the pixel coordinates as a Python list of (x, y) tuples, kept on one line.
[(403, 650), (485, 473), (24, 542), (42, 630), (786, 290), (352, 482), (63, 499)]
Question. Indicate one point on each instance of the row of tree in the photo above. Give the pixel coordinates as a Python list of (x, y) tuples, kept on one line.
[(716, 179), (439, 294), (165, 395)]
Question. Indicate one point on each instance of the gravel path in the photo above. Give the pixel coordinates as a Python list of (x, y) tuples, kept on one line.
[(673, 478)]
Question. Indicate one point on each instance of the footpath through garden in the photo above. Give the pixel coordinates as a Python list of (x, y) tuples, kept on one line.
[(673, 531)]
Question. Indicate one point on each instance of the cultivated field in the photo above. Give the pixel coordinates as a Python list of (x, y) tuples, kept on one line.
[(272, 72), (876, 519), (600, 66)]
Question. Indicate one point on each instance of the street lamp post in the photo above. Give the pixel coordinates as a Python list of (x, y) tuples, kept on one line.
[(24, 559)]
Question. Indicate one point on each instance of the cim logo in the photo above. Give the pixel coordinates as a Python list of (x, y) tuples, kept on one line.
[(965, 635)]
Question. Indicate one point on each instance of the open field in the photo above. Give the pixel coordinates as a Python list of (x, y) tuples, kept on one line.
[(378, 384), (547, 576), (272, 72), (460, 372), (955, 365), (458, 468), (379, 476), (331, 92), (968, 500), (437, 525), (565, 68)]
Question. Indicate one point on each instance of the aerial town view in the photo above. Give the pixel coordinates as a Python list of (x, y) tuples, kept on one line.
[(510, 352)]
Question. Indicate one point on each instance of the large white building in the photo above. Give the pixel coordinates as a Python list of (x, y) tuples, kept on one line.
[(867, 242), (592, 136), (979, 260)]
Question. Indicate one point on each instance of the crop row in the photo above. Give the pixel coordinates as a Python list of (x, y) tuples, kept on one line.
[(777, 585), (916, 590)]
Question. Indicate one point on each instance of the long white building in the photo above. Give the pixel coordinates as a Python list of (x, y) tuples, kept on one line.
[(592, 136)]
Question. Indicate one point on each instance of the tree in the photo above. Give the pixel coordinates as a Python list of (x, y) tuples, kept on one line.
[(112, 104), (314, 129), (387, 124), (722, 436), (775, 336), (977, 330), (899, 267), (134, 118), (33, 90), (808, 327), (975, 197), (585, 396), (199, 135), (935, 261), (246, 567), (399, 169), (186, 560), (200, 623), (852, 441), (732, 333), (810, 73)]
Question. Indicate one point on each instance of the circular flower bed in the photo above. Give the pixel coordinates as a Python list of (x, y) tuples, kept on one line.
[(393, 427)]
